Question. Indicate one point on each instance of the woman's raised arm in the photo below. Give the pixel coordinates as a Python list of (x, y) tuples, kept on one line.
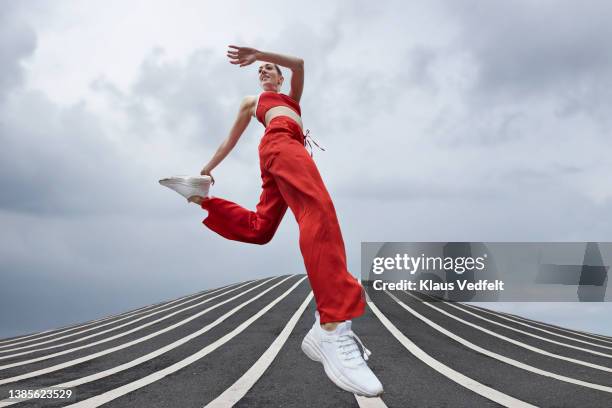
[(246, 56)]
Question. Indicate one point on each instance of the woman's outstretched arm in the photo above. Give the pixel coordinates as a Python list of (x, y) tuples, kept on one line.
[(242, 121), (246, 56)]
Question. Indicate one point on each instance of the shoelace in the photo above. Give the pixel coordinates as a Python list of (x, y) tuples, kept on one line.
[(348, 341), (307, 139)]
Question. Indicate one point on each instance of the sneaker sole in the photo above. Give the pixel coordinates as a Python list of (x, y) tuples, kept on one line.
[(313, 352), (171, 182), (198, 184)]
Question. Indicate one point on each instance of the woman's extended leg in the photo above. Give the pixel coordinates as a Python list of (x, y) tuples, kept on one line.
[(338, 294), (237, 223)]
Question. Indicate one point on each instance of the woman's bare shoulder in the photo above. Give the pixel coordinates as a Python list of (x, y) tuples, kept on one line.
[(249, 102)]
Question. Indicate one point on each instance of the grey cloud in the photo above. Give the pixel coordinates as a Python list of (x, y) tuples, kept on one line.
[(418, 68), (17, 42), (540, 178), (526, 50), (53, 159), (61, 163), (403, 189), (167, 94), (338, 96), (477, 128)]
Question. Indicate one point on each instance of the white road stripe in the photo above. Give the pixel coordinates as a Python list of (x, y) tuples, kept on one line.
[(499, 357), (452, 304), (131, 343), (158, 375), (600, 336), (64, 329), (111, 338), (370, 402), (59, 330), (99, 326), (239, 389), (516, 319), (536, 328), (472, 385)]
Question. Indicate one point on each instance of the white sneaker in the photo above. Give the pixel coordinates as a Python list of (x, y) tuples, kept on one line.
[(341, 358), (188, 186)]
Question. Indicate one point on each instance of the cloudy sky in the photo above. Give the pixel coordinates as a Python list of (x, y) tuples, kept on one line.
[(443, 121)]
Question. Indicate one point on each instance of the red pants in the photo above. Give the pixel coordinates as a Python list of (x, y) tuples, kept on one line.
[(291, 178)]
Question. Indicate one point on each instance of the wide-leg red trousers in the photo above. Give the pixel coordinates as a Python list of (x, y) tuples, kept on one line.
[(291, 178)]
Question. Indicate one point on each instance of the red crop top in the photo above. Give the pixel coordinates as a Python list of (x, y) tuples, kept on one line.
[(271, 99)]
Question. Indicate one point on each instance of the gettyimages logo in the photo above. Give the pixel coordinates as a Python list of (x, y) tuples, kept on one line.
[(413, 265)]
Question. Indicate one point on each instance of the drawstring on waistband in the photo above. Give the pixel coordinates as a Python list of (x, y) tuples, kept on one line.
[(307, 139)]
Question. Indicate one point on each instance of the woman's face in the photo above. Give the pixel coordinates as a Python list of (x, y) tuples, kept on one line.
[(269, 78)]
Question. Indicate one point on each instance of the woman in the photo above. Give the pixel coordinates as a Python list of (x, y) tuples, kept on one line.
[(291, 179)]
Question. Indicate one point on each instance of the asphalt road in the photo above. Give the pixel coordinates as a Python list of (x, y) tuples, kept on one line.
[(240, 346)]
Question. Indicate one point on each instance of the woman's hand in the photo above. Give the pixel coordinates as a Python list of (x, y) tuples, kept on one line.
[(242, 55), (206, 172)]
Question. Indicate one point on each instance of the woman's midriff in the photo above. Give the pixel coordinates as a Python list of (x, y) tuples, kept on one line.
[(283, 111)]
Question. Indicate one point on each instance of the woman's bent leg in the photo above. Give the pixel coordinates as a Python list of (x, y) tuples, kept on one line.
[(237, 223), (339, 296)]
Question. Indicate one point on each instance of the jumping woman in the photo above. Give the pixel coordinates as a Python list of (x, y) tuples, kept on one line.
[(291, 179)]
